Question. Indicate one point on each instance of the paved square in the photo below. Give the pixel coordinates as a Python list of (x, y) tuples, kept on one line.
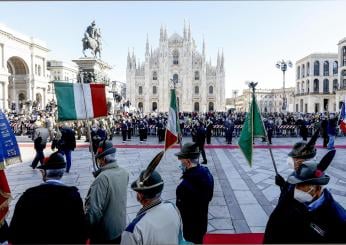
[(243, 198)]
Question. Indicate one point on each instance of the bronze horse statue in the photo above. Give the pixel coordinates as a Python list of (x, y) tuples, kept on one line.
[(94, 44)]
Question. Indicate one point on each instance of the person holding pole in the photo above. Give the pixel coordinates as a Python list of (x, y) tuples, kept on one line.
[(312, 215)]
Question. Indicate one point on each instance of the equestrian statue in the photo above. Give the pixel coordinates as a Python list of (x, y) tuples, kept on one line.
[(92, 40)]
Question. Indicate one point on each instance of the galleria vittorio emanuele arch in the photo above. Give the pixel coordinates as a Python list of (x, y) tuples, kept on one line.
[(23, 73)]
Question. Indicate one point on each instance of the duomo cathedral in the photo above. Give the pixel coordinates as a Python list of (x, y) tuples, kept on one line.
[(200, 86)]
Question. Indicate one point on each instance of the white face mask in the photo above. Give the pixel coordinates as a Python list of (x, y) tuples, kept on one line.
[(290, 163), (302, 196)]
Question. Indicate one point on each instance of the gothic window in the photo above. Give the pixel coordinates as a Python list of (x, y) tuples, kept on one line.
[(154, 89), (175, 78), (140, 90), (196, 107), (316, 86), (335, 68), (211, 106), (326, 86), (316, 68), (326, 68), (196, 75), (140, 106), (343, 56), (308, 86), (298, 72), (308, 69), (154, 75), (211, 89), (303, 71), (196, 90), (154, 106), (175, 57), (335, 85)]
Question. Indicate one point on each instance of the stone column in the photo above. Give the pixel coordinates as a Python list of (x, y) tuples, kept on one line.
[(13, 80)]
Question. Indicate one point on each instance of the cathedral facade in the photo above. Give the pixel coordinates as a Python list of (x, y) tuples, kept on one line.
[(200, 87)]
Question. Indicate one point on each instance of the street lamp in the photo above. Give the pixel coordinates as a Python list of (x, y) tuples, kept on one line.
[(235, 92), (282, 65)]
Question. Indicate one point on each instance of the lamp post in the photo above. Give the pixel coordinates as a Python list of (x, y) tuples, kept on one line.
[(235, 92), (282, 65)]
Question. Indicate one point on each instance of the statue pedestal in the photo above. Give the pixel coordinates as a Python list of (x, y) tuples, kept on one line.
[(95, 70), (96, 67)]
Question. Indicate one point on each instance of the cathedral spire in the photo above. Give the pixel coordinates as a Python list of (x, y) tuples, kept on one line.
[(185, 34), (161, 34), (189, 33), (147, 47), (128, 59), (165, 34), (222, 60), (203, 49), (218, 58)]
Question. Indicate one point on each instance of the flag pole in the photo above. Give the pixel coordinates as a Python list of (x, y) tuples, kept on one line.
[(88, 127), (265, 131)]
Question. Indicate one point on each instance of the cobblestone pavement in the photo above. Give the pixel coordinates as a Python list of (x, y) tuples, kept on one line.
[(243, 198)]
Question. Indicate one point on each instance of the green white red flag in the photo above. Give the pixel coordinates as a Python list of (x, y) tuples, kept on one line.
[(77, 101), (172, 128)]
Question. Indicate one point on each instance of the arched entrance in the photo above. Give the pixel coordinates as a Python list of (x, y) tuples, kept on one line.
[(211, 106), (17, 81)]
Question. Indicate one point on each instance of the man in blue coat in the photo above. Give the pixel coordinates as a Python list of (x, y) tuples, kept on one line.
[(194, 193)]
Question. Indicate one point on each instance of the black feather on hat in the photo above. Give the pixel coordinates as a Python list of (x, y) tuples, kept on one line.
[(305, 150), (150, 181), (312, 173)]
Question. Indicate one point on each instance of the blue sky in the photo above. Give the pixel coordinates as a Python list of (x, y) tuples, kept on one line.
[(252, 34)]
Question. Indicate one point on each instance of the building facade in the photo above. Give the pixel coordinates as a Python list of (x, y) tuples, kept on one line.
[(268, 100), (60, 71), (317, 83), (200, 86), (340, 94), (23, 72)]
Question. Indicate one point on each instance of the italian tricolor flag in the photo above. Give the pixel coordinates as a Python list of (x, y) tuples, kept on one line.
[(76, 102), (172, 127)]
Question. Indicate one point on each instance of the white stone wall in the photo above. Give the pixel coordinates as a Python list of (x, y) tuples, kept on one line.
[(21, 51)]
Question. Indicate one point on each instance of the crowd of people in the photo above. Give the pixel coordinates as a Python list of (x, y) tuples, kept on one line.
[(54, 213), (305, 206)]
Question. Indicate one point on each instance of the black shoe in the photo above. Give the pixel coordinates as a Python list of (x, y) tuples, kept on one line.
[(204, 162), (32, 167)]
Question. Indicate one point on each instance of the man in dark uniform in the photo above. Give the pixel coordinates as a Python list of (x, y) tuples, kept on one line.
[(209, 129), (129, 129), (50, 213), (324, 132), (124, 130), (312, 215), (160, 130), (194, 193), (141, 131), (67, 144), (200, 140)]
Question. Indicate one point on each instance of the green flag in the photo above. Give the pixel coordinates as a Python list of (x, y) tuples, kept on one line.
[(253, 127)]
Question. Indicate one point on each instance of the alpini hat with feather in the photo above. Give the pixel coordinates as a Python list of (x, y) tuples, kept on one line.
[(312, 173), (305, 150), (149, 181)]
